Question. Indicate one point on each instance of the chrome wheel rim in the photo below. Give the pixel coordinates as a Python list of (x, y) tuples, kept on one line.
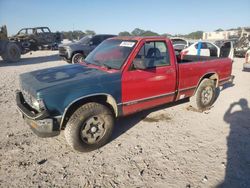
[(206, 95), (93, 130), (78, 59)]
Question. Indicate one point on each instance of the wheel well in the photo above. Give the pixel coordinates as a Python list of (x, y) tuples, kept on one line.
[(75, 52), (102, 99), (211, 76)]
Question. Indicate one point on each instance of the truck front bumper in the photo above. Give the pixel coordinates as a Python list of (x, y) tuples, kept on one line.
[(40, 122), (65, 53)]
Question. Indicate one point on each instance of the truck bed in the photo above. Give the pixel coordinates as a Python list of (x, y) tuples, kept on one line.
[(195, 58), (192, 69)]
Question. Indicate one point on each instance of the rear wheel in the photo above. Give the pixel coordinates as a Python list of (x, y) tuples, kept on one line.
[(204, 96), (77, 58), (90, 127)]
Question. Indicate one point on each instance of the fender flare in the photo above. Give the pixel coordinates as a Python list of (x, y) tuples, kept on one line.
[(109, 99), (209, 75)]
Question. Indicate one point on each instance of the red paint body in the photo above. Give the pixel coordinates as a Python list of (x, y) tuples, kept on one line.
[(143, 89)]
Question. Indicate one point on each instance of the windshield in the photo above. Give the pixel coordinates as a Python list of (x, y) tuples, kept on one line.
[(111, 53), (85, 40)]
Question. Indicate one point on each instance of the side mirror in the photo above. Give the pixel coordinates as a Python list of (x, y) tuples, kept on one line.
[(139, 64)]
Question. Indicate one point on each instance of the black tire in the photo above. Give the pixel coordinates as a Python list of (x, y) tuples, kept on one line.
[(246, 67), (204, 96), (77, 58), (12, 53), (4, 57), (67, 60), (90, 127)]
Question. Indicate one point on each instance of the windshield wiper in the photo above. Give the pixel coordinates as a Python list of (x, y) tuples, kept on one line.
[(103, 64), (107, 66)]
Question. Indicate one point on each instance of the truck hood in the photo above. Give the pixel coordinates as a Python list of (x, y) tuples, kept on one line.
[(62, 77), (74, 45)]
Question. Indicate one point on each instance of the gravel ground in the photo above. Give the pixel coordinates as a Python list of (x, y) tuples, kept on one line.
[(170, 146)]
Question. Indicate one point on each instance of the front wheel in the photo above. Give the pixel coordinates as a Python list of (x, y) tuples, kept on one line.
[(77, 58), (12, 52), (90, 127), (204, 96)]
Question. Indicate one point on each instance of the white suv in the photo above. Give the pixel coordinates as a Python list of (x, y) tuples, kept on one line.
[(246, 65), (205, 48)]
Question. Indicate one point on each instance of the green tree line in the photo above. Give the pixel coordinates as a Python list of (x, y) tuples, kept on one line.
[(141, 32), (76, 35)]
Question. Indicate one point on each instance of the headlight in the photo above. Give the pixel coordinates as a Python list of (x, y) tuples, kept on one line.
[(66, 48), (38, 104)]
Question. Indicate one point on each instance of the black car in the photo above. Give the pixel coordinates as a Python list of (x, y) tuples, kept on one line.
[(75, 52)]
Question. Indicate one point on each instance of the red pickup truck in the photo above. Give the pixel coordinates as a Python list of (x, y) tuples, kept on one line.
[(123, 75)]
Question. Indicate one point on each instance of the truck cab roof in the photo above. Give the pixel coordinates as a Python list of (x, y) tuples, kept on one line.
[(139, 38)]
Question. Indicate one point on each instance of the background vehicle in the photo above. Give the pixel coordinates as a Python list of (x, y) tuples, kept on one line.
[(9, 50), (219, 43), (204, 48), (246, 65), (179, 44), (36, 38), (123, 75), (77, 51), (27, 39), (241, 46)]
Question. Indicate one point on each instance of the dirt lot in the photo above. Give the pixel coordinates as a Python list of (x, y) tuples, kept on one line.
[(170, 146)]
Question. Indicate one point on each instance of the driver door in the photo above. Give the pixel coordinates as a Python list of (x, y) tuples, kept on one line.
[(226, 50), (152, 86), (93, 43)]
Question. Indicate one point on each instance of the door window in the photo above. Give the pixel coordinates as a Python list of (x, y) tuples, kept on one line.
[(154, 54), (211, 47), (39, 31), (29, 31), (225, 49), (22, 32), (203, 45), (45, 30)]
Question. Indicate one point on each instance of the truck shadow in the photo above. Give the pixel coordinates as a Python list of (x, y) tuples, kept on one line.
[(227, 85), (123, 124), (221, 88), (31, 60), (237, 172)]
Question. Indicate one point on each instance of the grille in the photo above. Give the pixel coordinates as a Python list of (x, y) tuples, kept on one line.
[(62, 50), (28, 98)]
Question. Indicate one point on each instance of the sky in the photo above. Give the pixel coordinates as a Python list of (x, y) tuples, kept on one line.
[(114, 16)]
